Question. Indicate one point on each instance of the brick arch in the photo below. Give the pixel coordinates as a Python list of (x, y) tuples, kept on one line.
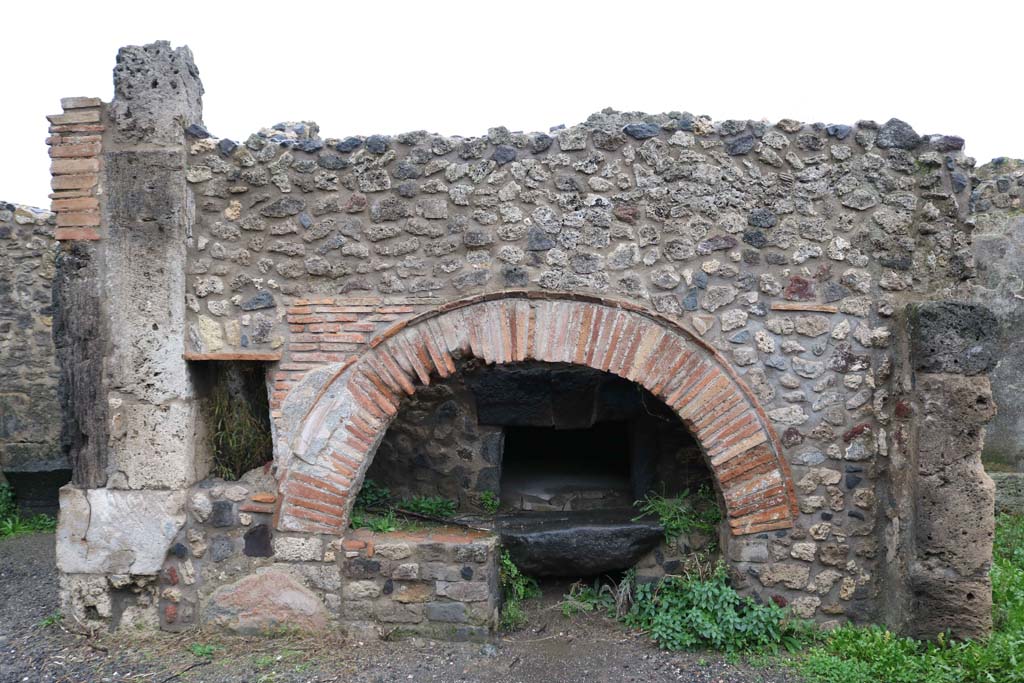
[(341, 417)]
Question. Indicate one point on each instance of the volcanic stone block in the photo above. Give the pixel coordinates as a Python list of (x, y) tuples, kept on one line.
[(952, 337), (576, 544)]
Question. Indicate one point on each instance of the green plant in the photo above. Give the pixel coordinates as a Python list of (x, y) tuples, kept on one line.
[(613, 598), (51, 620), (681, 612), (584, 599), (383, 524), (203, 650), (1008, 574), (683, 514), (515, 588), (239, 428), (7, 506), (431, 506), (372, 495), (489, 502), (11, 521)]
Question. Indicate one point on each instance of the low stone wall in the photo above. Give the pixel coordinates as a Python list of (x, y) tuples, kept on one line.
[(229, 567), (440, 582)]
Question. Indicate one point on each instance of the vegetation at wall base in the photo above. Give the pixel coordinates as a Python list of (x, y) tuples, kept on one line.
[(689, 612), (11, 521), (874, 655), (695, 610), (515, 588), (431, 506)]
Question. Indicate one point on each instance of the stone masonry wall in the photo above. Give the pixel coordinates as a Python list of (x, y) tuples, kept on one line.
[(754, 276), (997, 203), (787, 247), (29, 427)]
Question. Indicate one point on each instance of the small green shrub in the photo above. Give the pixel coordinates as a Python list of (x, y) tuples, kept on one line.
[(51, 620), (584, 599), (489, 502), (372, 495), (681, 613), (683, 513), (11, 521), (515, 588), (203, 650), (432, 506)]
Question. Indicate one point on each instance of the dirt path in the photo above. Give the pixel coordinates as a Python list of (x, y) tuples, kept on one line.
[(552, 649)]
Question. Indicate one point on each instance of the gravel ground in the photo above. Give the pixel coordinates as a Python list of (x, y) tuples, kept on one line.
[(552, 649)]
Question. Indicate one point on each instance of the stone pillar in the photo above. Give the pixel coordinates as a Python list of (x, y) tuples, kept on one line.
[(132, 412), (950, 347)]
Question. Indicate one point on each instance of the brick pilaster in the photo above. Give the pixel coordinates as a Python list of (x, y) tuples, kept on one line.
[(75, 145)]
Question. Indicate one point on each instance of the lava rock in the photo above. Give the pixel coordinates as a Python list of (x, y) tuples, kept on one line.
[(196, 131), (258, 542), (378, 144), (952, 337), (762, 218), (838, 131), (504, 154), (262, 299), (585, 543), (897, 134), (740, 144), (223, 513), (349, 144), (226, 146), (641, 131)]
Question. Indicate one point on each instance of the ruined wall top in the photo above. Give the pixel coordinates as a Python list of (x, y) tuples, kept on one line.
[(673, 210)]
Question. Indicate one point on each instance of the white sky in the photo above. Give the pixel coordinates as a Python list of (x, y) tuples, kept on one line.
[(386, 66)]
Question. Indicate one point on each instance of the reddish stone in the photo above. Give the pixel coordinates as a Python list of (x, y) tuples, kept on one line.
[(856, 431), (799, 289), (170, 613), (263, 602), (904, 409), (263, 497), (171, 576), (261, 508), (780, 600), (626, 213), (356, 203)]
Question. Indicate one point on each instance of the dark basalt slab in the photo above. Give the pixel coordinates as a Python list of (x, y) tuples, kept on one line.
[(582, 543)]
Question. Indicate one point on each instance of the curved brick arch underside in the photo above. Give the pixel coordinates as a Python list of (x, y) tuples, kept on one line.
[(344, 411)]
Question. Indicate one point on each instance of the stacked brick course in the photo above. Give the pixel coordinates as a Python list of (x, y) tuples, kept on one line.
[(76, 141)]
